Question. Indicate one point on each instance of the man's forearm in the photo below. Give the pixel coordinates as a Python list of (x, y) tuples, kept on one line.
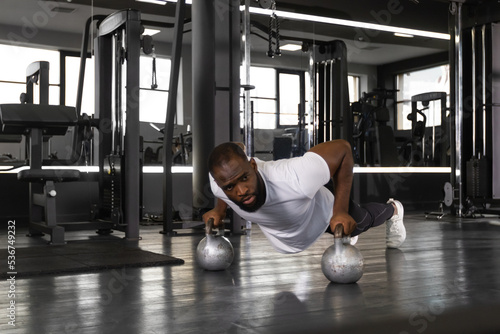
[(342, 181), (221, 206)]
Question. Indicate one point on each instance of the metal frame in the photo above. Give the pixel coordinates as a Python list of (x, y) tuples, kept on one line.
[(118, 42), (168, 225)]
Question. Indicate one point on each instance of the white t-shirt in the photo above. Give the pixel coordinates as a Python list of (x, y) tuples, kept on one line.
[(298, 208)]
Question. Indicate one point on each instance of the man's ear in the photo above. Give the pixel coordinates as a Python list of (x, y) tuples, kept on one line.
[(253, 163)]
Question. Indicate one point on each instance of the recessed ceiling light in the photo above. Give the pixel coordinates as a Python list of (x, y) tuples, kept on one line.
[(291, 47), (150, 32)]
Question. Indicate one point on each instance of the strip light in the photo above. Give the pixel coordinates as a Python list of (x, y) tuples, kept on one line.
[(398, 34), (156, 2), (95, 169), (400, 170), (189, 169), (348, 23), (330, 20)]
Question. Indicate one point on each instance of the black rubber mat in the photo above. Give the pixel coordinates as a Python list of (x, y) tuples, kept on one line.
[(81, 256)]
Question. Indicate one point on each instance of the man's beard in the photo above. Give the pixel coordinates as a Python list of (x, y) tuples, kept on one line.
[(256, 205)]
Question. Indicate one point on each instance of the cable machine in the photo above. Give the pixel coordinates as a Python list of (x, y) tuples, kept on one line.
[(475, 159), (482, 187), (117, 51), (331, 112)]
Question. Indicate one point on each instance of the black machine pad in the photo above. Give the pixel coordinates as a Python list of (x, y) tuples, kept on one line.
[(19, 118)]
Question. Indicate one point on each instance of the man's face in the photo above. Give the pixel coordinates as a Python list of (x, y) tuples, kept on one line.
[(241, 183)]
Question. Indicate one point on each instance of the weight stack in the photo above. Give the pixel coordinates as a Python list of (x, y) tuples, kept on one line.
[(479, 178), (111, 189)]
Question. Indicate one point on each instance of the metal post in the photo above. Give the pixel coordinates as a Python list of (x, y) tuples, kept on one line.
[(248, 126), (203, 51), (131, 203), (459, 111), (483, 85), (474, 99), (169, 120), (311, 120)]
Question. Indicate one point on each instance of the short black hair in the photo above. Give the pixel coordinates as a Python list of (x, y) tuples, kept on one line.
[(224, 153)]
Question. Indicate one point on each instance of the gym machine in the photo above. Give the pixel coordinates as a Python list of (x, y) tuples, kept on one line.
[(117, 49), (116, 147), (475, 157), (38, 122), (332, 118), (374, 143), (429, 145), (482, 186)]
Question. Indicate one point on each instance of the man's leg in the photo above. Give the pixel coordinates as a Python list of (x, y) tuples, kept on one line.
[(369, 215), (375, 214)]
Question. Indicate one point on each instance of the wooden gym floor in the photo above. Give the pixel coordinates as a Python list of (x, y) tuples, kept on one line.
[(445, 279)]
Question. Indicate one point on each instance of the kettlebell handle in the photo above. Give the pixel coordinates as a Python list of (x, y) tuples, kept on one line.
[(209, 227), (338, 233)]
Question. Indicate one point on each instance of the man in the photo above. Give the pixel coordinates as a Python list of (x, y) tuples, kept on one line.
[(289, 201)]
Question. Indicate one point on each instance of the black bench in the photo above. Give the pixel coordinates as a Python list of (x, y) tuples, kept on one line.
[(36, 121)]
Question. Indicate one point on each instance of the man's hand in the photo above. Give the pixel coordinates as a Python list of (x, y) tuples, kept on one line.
[(345, 220), (218, 213), (217, 216)]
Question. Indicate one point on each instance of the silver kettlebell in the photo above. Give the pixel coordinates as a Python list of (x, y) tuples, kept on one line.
[(342, 262), (214, 252)]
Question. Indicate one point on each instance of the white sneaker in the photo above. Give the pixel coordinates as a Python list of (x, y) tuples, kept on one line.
[(395, 229)]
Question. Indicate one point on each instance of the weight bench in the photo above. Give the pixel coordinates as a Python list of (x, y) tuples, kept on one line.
[(36, 121)]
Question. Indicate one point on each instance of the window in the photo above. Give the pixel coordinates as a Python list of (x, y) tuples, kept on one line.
[(15, 60), (435, 79), (277, 95), (71, 87), (153, 102), (263, 97), (289, 98), (353, 83)]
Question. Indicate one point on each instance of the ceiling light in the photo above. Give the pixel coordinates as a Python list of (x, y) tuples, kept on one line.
[(403, 35), (150, 32), (341, 22), (291, 47), (347, 23), (156, 2)]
